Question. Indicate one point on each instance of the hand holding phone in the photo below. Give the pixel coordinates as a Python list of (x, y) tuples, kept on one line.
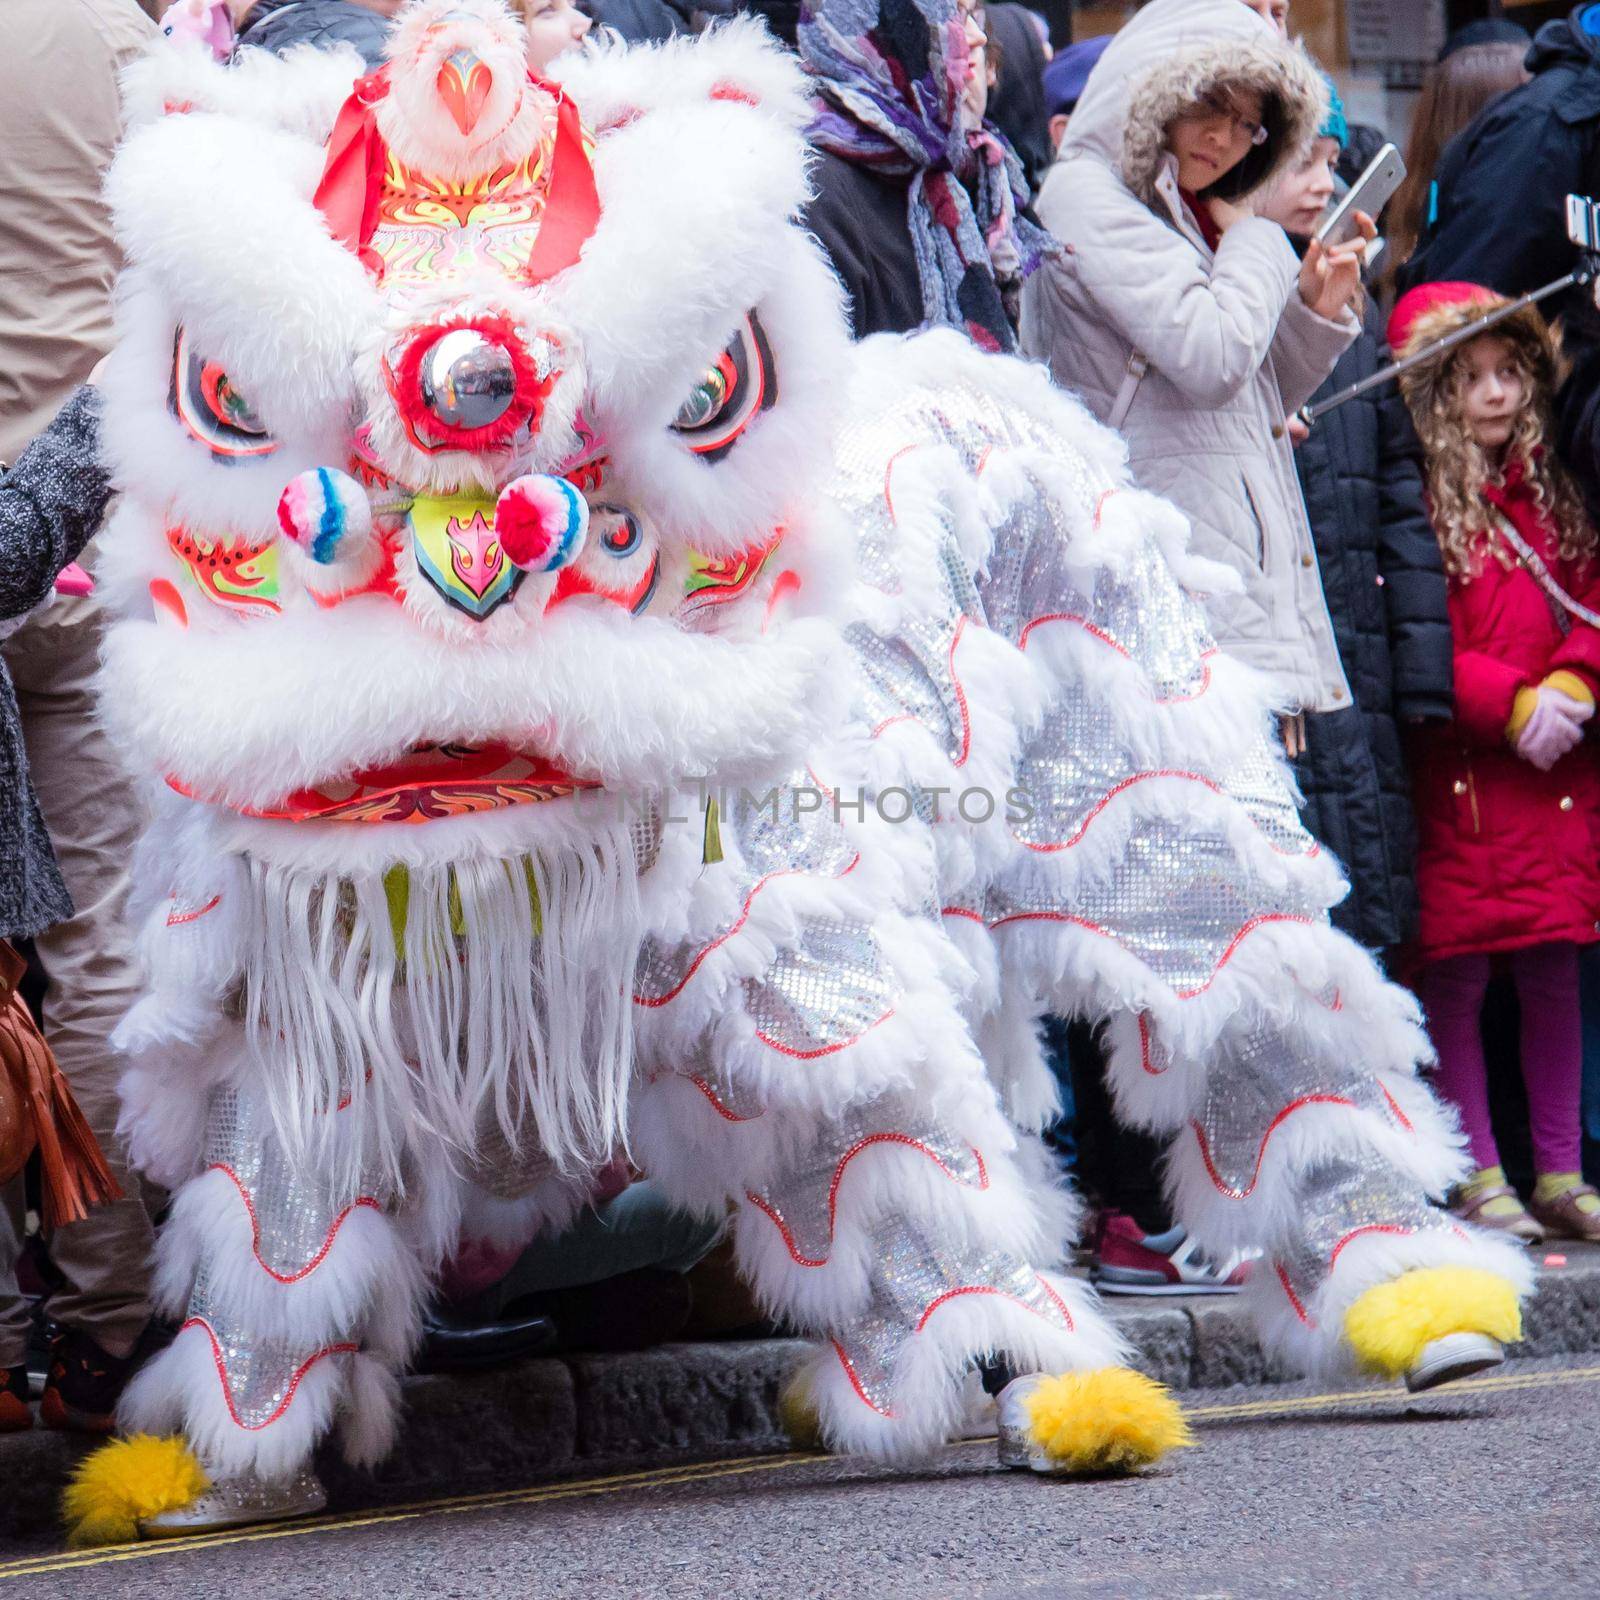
[(1331, 274), (1370, 193)]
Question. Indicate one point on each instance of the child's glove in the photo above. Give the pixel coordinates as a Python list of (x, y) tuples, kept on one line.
[(1553, 728)]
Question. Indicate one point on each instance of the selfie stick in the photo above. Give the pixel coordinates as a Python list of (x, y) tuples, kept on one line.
[(1587, 270)]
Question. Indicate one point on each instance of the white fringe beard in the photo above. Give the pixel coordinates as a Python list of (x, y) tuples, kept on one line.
[(508, 994)]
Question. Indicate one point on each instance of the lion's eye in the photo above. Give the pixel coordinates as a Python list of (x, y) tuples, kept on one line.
[(705, 400), (212, 409), (736, 388)]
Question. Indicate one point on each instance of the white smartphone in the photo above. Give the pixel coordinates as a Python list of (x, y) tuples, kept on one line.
[(1370, 193)]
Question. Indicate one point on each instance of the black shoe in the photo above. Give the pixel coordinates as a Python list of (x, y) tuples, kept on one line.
[(453, 1341), (632, 1311), (84, 1384)]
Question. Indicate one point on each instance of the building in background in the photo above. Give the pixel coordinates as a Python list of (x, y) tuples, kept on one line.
[(1376, 50)]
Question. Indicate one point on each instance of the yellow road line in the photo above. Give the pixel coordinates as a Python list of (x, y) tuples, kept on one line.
[(1379, 1396), (729, 1467)]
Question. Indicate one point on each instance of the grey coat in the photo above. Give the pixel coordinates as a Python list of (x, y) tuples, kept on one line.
[(1197, 356), (51, 503)]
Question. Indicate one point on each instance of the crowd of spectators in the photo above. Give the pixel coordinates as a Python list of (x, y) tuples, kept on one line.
[(1139, 213)]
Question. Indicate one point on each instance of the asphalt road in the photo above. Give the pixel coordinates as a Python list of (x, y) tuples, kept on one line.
[(1482, 1490)]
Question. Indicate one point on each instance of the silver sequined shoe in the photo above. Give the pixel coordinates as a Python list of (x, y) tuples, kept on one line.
[(240, 1502), (1456, 1355), (1016, 1443)]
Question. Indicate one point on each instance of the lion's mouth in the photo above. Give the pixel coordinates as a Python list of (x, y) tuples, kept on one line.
[(429, 783)]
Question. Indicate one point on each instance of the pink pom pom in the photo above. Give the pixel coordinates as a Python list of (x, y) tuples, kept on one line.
[(541, 522)]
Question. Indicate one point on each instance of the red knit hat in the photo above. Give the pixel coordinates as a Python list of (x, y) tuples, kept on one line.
[(1442, 307), (1432, 311)]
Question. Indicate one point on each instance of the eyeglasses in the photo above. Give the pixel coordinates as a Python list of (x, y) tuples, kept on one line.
[(1214, 109)]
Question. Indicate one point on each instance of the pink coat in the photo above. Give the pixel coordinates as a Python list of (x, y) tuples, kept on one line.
[(1507, 855)]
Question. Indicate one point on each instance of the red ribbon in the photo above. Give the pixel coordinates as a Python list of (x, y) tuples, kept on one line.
[(352, 175), (352, 181)]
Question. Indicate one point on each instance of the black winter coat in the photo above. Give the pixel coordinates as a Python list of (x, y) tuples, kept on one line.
[(1502, 219), (861, 221), (279, 25), (1360, 472), (51, 503)]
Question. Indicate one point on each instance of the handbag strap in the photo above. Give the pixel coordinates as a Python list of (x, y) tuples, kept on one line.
[(1565, 608), (1137, 367)]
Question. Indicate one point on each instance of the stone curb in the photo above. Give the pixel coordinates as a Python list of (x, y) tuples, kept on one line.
[(586, 1416)]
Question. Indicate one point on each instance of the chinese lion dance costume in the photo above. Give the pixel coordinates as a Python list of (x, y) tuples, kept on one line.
[(590, 704)]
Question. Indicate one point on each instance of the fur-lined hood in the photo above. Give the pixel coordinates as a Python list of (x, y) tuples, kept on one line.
[(1437, 315), (1169, 55)]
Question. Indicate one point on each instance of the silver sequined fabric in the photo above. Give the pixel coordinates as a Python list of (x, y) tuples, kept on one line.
[(293, 1210), (1255, 1084), (910, 677), (1139, 610), (825, 993), (914, 1272), (804, 1205), (775, 834), (1178, 899), (1340, 1199), (1075, 767)]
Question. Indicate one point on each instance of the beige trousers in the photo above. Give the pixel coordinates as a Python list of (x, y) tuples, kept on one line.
[(92, 812)]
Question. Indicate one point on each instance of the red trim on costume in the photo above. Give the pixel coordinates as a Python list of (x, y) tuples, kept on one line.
[(855, 1382), (826, 1049), (164, 596), (176, 919), (726, 1112), (1276, 1123), (1005, 1294), (1294, 1299), (961, 701), (345, 1348), (1128, 783), (1094, 927), (761, 1204), (1122, 650), (1370, 1227), (722, 938), (784, 585), (255, 1228), (888, 471)]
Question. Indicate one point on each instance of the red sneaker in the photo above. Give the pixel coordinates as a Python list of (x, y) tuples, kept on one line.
[(16, 1415), (1131, 1261)]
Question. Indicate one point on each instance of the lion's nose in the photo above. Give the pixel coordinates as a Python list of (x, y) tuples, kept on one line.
[(472, 384), (468, 380)]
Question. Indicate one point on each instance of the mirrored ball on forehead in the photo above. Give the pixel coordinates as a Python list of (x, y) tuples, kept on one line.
[(468, 380)]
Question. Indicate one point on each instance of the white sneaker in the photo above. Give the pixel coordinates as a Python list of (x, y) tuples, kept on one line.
[(1456, 1355), (240, 1502)]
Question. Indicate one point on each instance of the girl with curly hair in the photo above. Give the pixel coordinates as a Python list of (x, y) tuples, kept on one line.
[(1507, 792)]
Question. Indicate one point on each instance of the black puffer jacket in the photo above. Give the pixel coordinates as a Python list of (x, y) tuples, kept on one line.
[(1360, 471), (279, 25)]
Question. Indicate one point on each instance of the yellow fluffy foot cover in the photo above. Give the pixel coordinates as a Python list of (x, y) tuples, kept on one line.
[(1390, 1324), (1111, 1420), (799, 1414), (126, 1480)]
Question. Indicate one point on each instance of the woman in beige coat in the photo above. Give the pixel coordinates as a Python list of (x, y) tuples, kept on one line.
[(1193, 326)]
